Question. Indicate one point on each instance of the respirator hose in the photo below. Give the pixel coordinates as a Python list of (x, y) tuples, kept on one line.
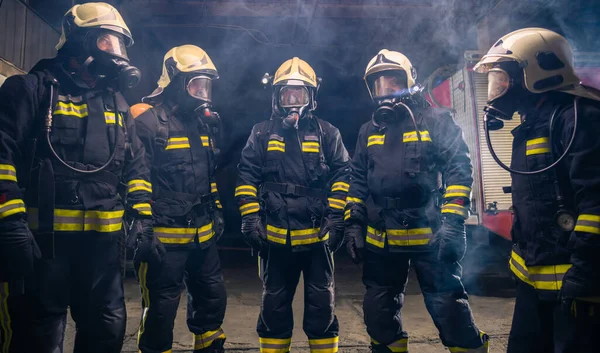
[(48, 128), (564, 154)]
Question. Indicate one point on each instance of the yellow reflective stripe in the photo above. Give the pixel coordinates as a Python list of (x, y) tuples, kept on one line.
[(78, 220), (375, 140), (324, 345), (5, 322), (276, 235), (409, 237), (484, 348), (8, 172), (306, 236), (213, 187), (457, 191), (143, 208), (336, 203), (375, 237), (11, 207), (588, 223), (177, 143), (169, 235), (251, 207), (139, 185), (204, 139), (346, 215), (142, 276), (538, 146), (340, 186), (206, 339), (275, 145), (275, 345), (71, 109), (109, 117), (353, 199), (311, 147), (411, 136), (247, 190), (455, 209), (399, 346), (218, 203), (547, 277)]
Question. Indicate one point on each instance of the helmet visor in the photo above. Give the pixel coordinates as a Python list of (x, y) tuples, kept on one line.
[(389, 84), (293, 97), (499, 83), (200, 87), (113, 44)]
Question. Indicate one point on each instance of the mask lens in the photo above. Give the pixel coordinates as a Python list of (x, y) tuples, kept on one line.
[(293, 97), (200, 87), (498, 83), (389, 85), (112, 44)]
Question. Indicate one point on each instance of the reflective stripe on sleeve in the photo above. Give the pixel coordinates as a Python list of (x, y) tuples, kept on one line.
[(350, 199), (538, 146), (324, 345), (177, 143), (245, 190), (11, 207), (275, 145), (251, 207), (213, 187), (275, 345), (310, 147), (143, 208), (276, 235), (540, 277), (375, 140), (340, 186), (346, 214), (206, 339), (588, 223), (205, 141), (139, 185), (411, 136), (457, 191), (5, 321), (218, 203), (336, 203), (8, 172), (455, 209), (109, 117)]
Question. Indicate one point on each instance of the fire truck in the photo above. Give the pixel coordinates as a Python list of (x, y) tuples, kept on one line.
[(464, 92)]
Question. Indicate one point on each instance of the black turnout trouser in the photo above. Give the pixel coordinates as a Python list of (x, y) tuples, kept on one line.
[(85, 275), (280, 273), (199, 269), (542, 325), (385, 276)]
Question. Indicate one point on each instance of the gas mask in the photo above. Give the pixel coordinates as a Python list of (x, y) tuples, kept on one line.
[(108, 61), (293, 100), (199, 98), (389, 90)]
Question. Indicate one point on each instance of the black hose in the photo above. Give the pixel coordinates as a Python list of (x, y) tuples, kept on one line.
[(567, 150), (49, 128)]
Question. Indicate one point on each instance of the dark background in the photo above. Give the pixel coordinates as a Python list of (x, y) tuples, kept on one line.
[(246, 38)]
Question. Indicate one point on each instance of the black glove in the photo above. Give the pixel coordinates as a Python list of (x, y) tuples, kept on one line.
[(149, 248), (254, 232), (334, 225), (581, 281), (450, 241), (218, 224), (18, 250), (354, 235)]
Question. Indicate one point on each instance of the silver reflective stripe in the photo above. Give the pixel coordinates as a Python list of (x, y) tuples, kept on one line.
[(374, 236), (11, 207), (276, 235), (214, 336), (8, 172), (311, 138), (399, 344), (276, 137), (551, 277), (375, 139), (585, 223), (205, 232), (177, 143), (78, 110), (519, 267), (303, 237), (171, 235), (69, 220), (409, 237), (538, 145), (68, 97), (324, 346), (102, 221)]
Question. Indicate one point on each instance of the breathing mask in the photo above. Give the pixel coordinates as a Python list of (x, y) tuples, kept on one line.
[(293, 100), (389, 89)]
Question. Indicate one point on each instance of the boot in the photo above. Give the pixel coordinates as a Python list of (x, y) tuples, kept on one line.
[(379, 348), (215, 347)]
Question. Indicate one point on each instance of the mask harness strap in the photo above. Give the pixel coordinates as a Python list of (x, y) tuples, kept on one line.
[(564, 154)]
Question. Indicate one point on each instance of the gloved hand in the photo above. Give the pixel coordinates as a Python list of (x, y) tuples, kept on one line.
[(149, 248), (18, 250), (354, 235), (334, 225), (254, 232), (581, 281), (450, 241), (218, 224)]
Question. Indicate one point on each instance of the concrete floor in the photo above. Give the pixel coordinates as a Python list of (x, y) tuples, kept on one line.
[(493, 315)]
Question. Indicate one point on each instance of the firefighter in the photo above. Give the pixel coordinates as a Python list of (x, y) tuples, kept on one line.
[(66, 144), (555, 189), (401, 157), (178, 133), (291, 192)]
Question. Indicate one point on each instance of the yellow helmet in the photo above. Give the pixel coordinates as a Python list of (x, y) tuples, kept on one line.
[(387, 60), (139, 109), (546, 58), (295, 72), (98, 15), (183, 59)]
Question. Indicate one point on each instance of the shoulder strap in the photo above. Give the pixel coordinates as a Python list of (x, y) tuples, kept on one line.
[(162, 130)]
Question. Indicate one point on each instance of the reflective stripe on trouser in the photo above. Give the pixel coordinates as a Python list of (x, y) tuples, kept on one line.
[(442, 290), (5, 322), (78, 220), (275, 345), (324, 345), (540, 277), (199, 269), (280, 273), (398, 346), (85, 276), (484, 348)]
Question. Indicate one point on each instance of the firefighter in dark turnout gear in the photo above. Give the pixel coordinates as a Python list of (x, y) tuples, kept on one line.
[(556, 229), (400, 159), (178, 135), (66, 144), (291, 191)]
